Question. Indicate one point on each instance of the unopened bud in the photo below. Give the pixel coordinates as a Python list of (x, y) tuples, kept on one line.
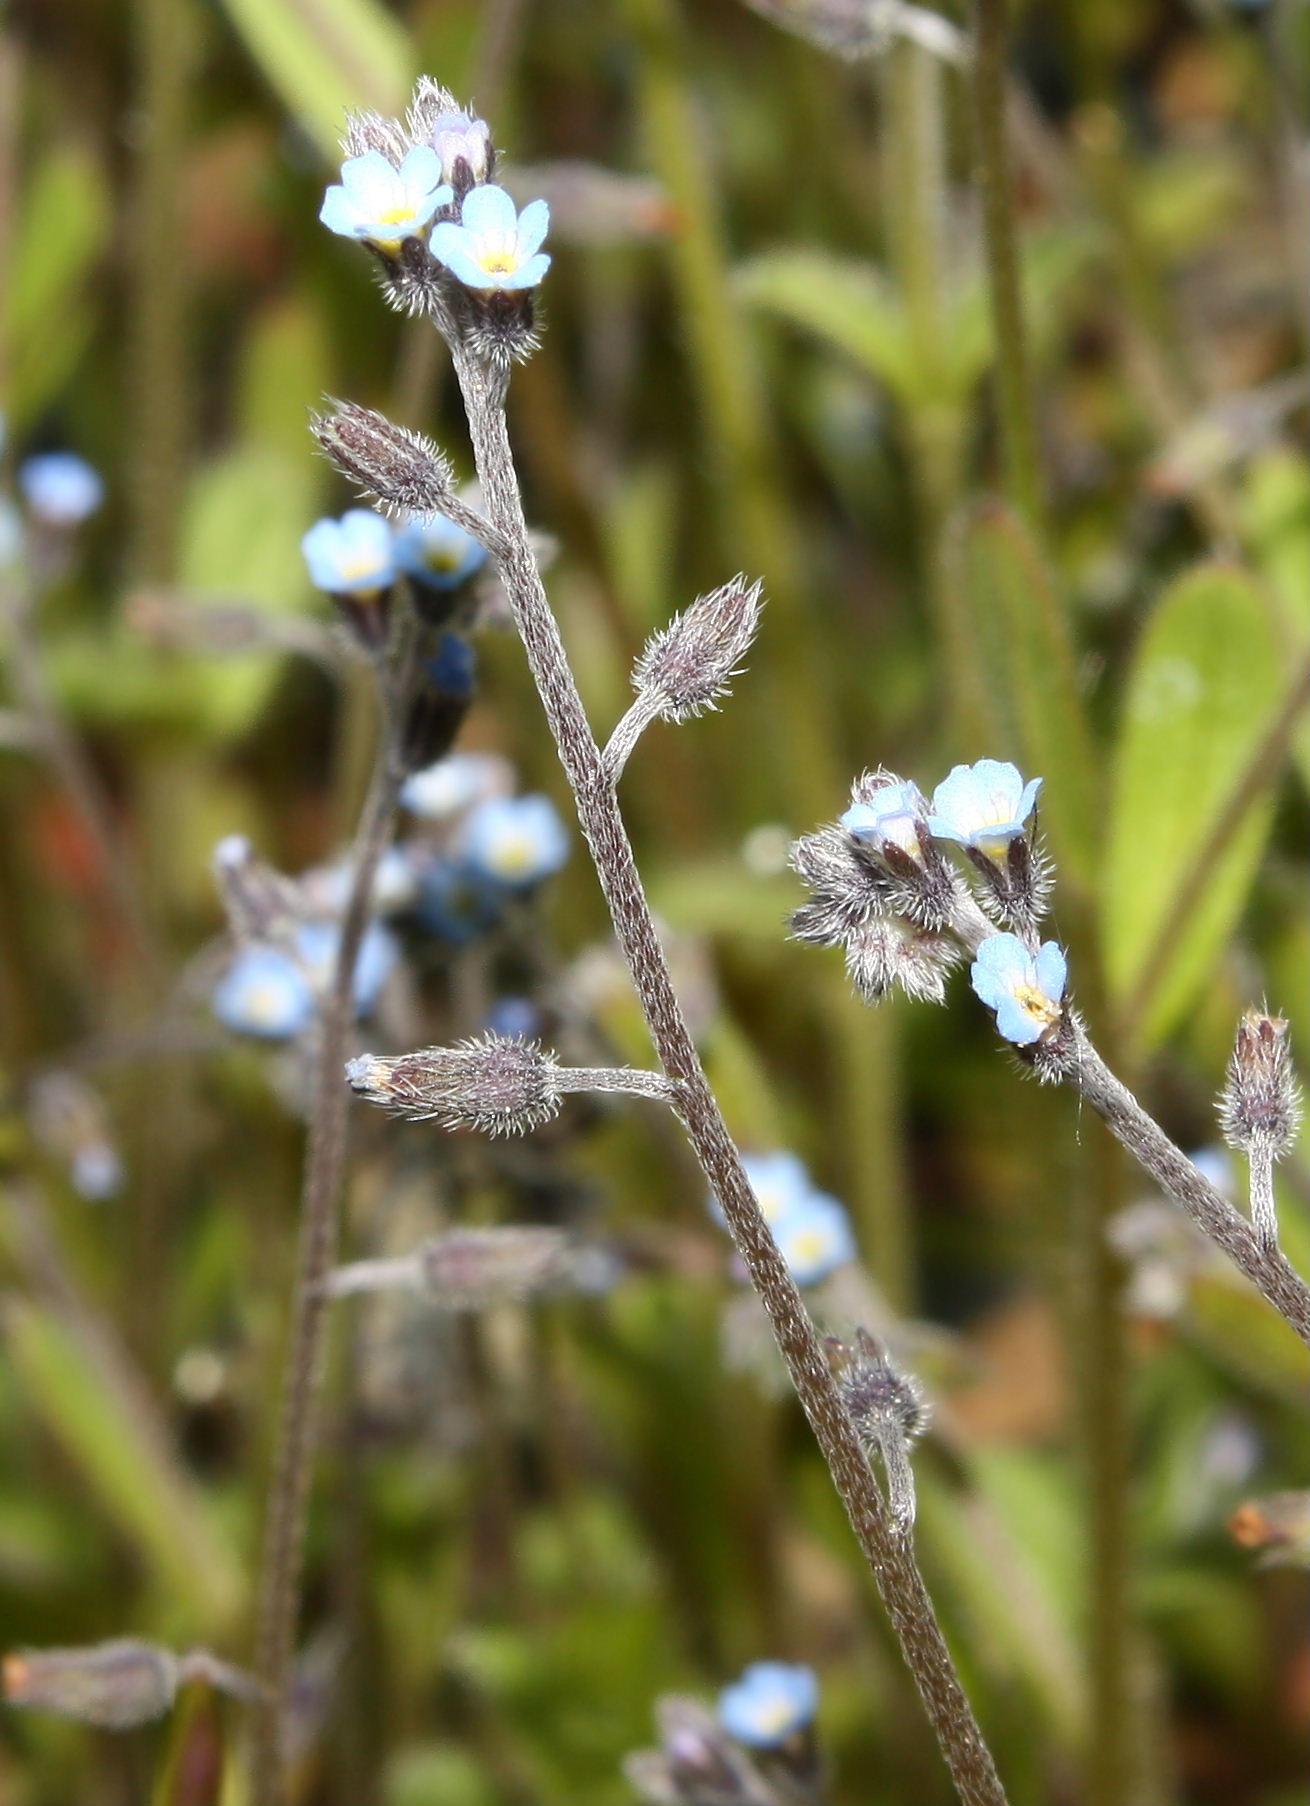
[(260, 904), (890, 951), (474, 1269), (497, 1084), (888, 1410), (687, 666), (1260, 1106), (117, 1684), (439, 704), (367, 131), (403, 469)]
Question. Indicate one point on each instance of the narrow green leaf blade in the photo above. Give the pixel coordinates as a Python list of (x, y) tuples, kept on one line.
[(844, 303)]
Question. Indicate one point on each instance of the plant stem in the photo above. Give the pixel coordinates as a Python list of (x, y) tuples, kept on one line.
[(1267, 1268), (278, 1596), (890, 1557), (1018, 432)]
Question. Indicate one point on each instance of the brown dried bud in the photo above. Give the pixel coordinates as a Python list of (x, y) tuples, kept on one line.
[(498, 1084), (1260, 1106), (474, 1269), (688, 664), (260, 904), (117, 1684), (402, 469)]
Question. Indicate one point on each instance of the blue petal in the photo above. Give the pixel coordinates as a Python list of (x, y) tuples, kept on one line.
[(339, 213), (452, 245), (421, 168), (1052, 970), (534, 223), (488, 209), (362, 171), (528, 275), (1015, 1023)]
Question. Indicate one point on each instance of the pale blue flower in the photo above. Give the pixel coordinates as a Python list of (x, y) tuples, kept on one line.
[(264, 992), (779, 1180), (890, 816), (454, 784), (353, 556), (770, 1704), (460, 138), (515, 841), (376, 202), (438, 553), (96, 1172), (814, 1237), (494, 246), (316, 946), (1026, 990), (983, 806), (60, 489), (517, 1018)]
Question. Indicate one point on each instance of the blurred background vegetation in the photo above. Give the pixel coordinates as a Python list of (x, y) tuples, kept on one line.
[(768, 349)]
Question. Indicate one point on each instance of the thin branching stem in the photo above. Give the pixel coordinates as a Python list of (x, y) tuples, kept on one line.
[(890, 1557)]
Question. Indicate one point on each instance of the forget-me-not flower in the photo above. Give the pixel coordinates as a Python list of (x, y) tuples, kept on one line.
[(515, 841), (60, 489), (780, 1181), (494, 246), (456, 903), (814, 1237), (889, 817), (983, 806), (1026, 990), (382, 205), (454, 784), (353, 556), (264, 992), (769, 1704), (460, 138), (437, 553), (316, 948)]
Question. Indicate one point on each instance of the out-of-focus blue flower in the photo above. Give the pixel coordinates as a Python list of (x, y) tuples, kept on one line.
[(769, 1704), (456, 903), (438, 553), (814, 1237), (515, 1017), (891, 816), (454, 784), (1024, 989), (395, 884), (460, 138), (515, 841), (453, 666), (383, 205), (353, 556), (494, 246), (779, 1180), (60, 489), (316, 947), (96, 1171), (983, 806), (264, 992)]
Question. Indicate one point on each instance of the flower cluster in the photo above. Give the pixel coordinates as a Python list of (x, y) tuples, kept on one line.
[(883, 889), (758, 1747), (812, 1229), (771, 1703), (359, 558), (451, 242)]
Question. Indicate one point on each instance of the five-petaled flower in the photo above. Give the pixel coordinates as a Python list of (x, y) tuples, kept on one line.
[(264, 992), (814, 1237), (437, 553), (1025, 989), (770, 1704), (983, 806), (515, 841), (494, 246), (383, 205), (353, 556), (891, 815)]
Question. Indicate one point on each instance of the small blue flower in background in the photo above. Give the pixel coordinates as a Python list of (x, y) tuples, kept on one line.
[(457, 904), (983, 806), (264, 992), (515, 841), (1024, 989), (494, 246), (454, 784), (438, 553), (96, 1172), (453, 666), (814, 1237), (769, 1704), (60, 489), (460, 138), (353, 556), (316, 947), (891, 815), (383, 205), (517, 1017), (779, 1180)]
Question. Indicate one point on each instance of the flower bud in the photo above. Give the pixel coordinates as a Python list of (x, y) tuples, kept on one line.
[(687, 666), (889, 1412), (889, 951), (493, 1083), (1260, 1106), (403, 469), (117, 1684), (439, 704)]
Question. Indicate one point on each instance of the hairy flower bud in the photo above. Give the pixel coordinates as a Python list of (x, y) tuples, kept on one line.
[(260, 904), (888, 1410), (403, 469), (1260, 1106), (494, 1083), (687, 665), (117, 1684), (889, 951)]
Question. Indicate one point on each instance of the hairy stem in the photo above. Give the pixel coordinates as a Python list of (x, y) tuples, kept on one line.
[(890, 1557), (278, 1596), (1266, 1267)]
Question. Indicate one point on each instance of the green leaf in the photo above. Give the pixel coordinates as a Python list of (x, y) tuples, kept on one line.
[(848, 304), (129, 1470), (47, 302), (1016, 664), (1203, 692), (326, 56)]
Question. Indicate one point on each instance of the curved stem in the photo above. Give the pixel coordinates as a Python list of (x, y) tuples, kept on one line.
[(890, 1557)]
